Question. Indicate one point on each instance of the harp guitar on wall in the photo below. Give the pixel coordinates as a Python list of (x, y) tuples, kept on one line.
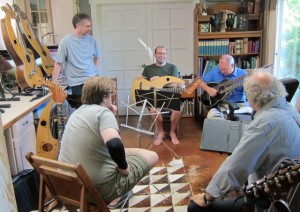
[(31, 71), (47, 146), (29, 33)]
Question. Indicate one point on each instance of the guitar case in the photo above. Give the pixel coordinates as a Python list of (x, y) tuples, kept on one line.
[(228, 136), (26, 188)]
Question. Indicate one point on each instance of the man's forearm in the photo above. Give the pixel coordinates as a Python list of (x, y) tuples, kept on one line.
[(56, 71)]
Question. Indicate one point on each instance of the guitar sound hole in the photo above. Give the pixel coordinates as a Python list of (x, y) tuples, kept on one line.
[(43, 123), (28, 58), (47, 147), (29, 36)]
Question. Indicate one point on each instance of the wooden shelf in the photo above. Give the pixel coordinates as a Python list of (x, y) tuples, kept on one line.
[(206, 18), (234, 34)]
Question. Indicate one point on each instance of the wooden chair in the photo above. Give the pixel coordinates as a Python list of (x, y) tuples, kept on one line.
[(68, 184)]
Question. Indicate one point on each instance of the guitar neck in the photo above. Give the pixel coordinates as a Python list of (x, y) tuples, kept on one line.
[(230, 85), (173, 90), (276, 183), (60, 121), (238, 79)]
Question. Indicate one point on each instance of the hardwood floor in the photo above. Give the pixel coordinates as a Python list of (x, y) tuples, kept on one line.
[(200, 165)]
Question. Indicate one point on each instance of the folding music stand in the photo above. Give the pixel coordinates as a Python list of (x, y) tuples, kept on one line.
[(159, 99)]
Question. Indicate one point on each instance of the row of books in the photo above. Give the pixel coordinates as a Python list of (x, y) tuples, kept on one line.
[(225, 46), (243, 46), (187, 107), (248, 63)]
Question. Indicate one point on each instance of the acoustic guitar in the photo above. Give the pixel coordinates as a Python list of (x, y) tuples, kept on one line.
[(42, 50), (160, 83), (224, 89), (32, 72), (47, 145)]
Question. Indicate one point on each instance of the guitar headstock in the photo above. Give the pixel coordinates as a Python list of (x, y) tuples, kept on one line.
[(268, 67), (19, 11), (193, 86), (8, 10), (58, 93), (275, 184)]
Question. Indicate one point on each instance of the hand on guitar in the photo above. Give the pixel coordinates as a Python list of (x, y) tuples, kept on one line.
[(212, 91)]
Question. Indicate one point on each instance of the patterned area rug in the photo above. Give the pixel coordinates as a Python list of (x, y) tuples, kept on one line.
[(164, 189)]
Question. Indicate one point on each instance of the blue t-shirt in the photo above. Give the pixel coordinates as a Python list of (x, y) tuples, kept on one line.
[(215, 75), (77, 57)]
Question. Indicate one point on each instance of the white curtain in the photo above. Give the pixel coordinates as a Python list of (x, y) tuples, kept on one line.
[(269, 31)]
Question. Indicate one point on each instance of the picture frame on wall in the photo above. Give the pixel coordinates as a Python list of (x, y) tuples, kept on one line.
[(242, 22), (204, 27)]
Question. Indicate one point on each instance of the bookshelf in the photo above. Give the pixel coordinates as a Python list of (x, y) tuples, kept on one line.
[(243, 41)]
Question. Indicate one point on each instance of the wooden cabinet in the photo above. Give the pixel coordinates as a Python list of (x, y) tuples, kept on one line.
[(243, 41)]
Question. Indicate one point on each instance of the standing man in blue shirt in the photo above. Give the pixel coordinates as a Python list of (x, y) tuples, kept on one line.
[(226, 70), (78, 54)]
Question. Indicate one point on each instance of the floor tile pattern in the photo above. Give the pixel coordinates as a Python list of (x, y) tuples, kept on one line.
[(164, 189)]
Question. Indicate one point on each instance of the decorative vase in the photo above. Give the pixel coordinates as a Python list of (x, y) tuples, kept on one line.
[(230, 21), (214, 21)]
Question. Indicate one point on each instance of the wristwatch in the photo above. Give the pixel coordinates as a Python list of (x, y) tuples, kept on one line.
[(208, 202)]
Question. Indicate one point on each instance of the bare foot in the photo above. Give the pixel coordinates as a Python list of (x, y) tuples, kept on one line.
[(159, 139), (174, 139)]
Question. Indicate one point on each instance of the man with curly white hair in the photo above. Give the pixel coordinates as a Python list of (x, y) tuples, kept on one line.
[(272, 135)]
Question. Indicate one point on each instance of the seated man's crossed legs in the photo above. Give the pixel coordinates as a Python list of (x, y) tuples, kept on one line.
[(217, 112), (175, 118)]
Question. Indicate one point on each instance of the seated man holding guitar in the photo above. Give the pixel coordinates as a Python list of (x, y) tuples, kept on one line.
[(152, 72), (272, 136), (222, 83)]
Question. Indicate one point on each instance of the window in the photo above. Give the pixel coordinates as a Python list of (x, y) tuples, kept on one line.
[(287, 57), (40, 16)]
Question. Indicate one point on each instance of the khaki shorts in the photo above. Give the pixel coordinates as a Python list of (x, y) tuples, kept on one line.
[(120, 184)]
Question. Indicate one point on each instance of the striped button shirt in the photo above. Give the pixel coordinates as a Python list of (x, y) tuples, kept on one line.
[(272, 135)]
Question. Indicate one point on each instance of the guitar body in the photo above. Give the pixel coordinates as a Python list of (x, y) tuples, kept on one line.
[(32, 73), (42, 50), (46, 146), (160, 82), (211, 101)]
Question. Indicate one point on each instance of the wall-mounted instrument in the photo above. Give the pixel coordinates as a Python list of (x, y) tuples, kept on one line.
[(17, 46)]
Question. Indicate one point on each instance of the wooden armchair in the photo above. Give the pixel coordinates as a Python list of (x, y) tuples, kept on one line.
[(68, 184)]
